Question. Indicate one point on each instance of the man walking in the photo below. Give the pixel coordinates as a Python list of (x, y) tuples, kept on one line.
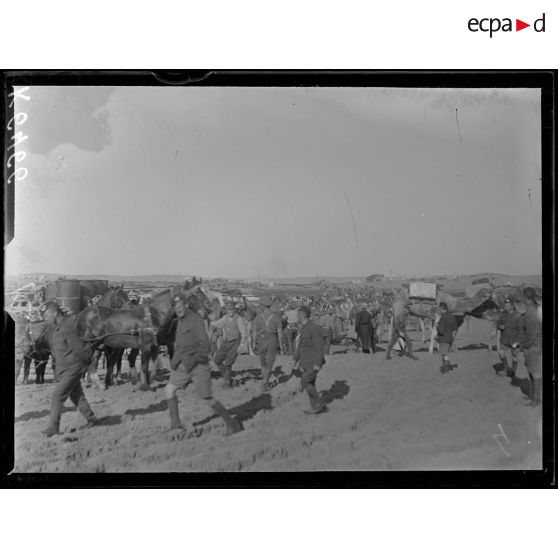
[(72, 358), (531, 343), (291, 330), (309, 358), (327, 322), (190, 363), (446, 328), (268, 331), (399, 330), (509, 324), (234, 334), (363, 328)]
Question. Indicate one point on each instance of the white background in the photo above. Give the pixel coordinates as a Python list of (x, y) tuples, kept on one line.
[(288, 34)]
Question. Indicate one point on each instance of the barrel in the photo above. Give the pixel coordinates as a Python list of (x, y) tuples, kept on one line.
[(68, 294), (88, 291)]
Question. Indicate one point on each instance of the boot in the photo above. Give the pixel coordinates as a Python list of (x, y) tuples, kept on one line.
[(513, 370), (410, 351), (233, 426), (505, 367), (388, 354), (265, 379), (316, 404), (446, 367), (227, 377), (53, 429), (173, 412)]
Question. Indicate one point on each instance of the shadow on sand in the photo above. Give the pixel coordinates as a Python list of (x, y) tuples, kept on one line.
[(338, 390), (153, 408), (475, 347), (31, 415)]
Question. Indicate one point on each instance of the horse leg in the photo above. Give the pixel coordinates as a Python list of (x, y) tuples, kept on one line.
[(26, 368), (18, 363), (92, 374), (144, 374), (132, 365)]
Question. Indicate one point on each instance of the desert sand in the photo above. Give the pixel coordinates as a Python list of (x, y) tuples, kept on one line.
[(397, 415)]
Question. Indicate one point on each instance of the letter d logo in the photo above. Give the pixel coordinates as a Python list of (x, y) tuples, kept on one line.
[(540, 21)]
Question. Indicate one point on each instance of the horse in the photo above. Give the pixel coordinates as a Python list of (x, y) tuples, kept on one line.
[(32, 344), (135, 328)]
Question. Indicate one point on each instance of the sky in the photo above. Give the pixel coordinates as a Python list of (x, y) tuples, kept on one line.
[(242, 182)]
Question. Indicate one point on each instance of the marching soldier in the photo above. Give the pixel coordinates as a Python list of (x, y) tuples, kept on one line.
[(399, 330), (72, 358), (309, 358), (268, 331), (190, 363), (509, 324), (234, 334)]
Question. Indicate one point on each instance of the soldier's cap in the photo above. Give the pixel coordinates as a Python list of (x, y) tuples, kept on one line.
[(50, 305), (266, 301), (180, 297), (529, 293)]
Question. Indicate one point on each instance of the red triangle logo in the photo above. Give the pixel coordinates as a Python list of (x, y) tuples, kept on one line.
[(519, 25)]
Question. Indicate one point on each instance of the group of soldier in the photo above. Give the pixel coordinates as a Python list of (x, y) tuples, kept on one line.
[(308, 341)]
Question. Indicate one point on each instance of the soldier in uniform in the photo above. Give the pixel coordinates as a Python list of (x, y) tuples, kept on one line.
[(509, 324), (234, 334), (268, 331), (446, 328), (399, 330), (531, 343), (309, 358), (292, 327), (72, 357), (190, 363), (327, 322), (364, 328)]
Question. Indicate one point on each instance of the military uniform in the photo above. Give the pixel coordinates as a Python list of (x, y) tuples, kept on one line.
[(191, 350), (310, 358), (327, 322), (190, 363), (509, 324), (234, 333), (268, 331), (399, 330), (364, 329), (72, 359)]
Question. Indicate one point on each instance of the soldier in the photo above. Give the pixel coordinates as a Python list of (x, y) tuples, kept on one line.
[(292, 327), (234, 334), (531, 343), (446, 328), (72, 357), (399, 330), (190, 363), (327, 322), (309, 358), (268, 331), (363, 328), (509, 324)]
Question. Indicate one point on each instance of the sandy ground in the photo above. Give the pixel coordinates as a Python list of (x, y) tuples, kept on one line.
[(383, 415)]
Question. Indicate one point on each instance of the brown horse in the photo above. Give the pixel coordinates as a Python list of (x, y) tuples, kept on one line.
[(135, 328), (32, 344)]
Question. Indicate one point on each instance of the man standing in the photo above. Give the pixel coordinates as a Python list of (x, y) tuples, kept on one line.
[(363, 328), (268, 332), (531, 343), (399, 330), (309, 358), (446, 328), (292, 327), (327, 322), (72, 357), (509, 324), (133, 302), (190, 363), (234, 334)]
